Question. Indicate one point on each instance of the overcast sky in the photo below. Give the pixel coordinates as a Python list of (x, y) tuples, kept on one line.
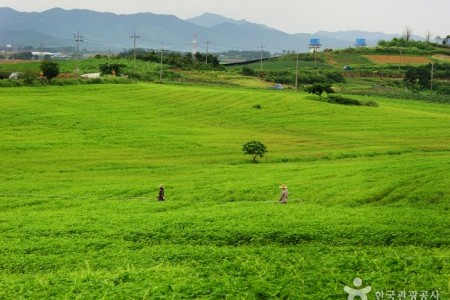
[(292, 16)]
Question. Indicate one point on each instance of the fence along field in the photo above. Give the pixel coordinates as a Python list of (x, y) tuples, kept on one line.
[(369, 194)]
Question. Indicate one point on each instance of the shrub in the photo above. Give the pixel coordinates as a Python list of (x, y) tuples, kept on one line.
[(338, 99), (246, 71), (284, 77), (111, 69), (10, 83), (343, 100), (311, 78), (443, 90), (4, 75), (371, 103), (50, 69), (319, 89), (417, 77), (29, 76), (66, 81), (333, 76)]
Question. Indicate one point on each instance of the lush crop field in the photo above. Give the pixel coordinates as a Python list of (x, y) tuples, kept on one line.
[(287, 65), (343, 58), (81, 165), (90, 65), (398, 59), (441, 57)]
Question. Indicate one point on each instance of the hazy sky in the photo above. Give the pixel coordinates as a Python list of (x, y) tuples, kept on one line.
[(292, 16)]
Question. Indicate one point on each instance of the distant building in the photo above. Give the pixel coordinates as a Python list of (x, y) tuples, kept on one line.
[(41, 54)]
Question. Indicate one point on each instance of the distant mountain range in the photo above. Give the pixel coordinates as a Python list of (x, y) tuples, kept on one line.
[(102, 31)]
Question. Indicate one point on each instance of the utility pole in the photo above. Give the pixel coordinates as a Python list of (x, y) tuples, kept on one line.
[(79, 39), (109, 56), (41, 51), (431, 81), (315, 58), (296, 74), (207, 44), (261, 57), (161, 64), (194, 46), (134, 37)]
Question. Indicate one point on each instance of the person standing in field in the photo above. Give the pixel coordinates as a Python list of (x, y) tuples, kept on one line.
[(161, 193), (284, 194)]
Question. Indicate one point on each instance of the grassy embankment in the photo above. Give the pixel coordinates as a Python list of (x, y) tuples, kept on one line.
[(369, 194)]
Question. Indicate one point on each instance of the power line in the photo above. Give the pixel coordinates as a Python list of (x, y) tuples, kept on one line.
[(261, 49), (194, 45), (296, 73), (161, 64), (207, 44)]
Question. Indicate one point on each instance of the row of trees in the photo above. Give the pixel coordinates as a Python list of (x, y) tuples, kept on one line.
[(176, 59), (443, 40), (407, 36)]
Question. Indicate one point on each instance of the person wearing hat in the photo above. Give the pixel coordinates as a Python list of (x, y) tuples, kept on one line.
[(161, 193), (284, 194)]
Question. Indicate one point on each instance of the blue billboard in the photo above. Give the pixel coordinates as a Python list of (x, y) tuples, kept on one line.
[(314, 42), (360, 42)]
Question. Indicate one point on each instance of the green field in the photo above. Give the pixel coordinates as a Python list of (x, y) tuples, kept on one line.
[(88, 65), (81, 165)]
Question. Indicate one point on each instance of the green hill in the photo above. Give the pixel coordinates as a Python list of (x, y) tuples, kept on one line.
[(81, 166)]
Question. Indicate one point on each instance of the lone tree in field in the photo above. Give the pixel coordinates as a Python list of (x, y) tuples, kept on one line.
[(255, 149), (49, 69)]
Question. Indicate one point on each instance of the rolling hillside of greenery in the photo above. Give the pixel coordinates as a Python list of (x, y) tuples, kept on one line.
[(81, 166), (396, 69)]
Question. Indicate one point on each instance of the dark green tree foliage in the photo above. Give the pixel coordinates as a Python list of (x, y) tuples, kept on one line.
[(111, 69), (417, 78), (176, 59), (443, 90), (246, 71), (402, 42), (441, 70), (319, 89), (255, 149), (213, 60), (23, 55), (49, 69)]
